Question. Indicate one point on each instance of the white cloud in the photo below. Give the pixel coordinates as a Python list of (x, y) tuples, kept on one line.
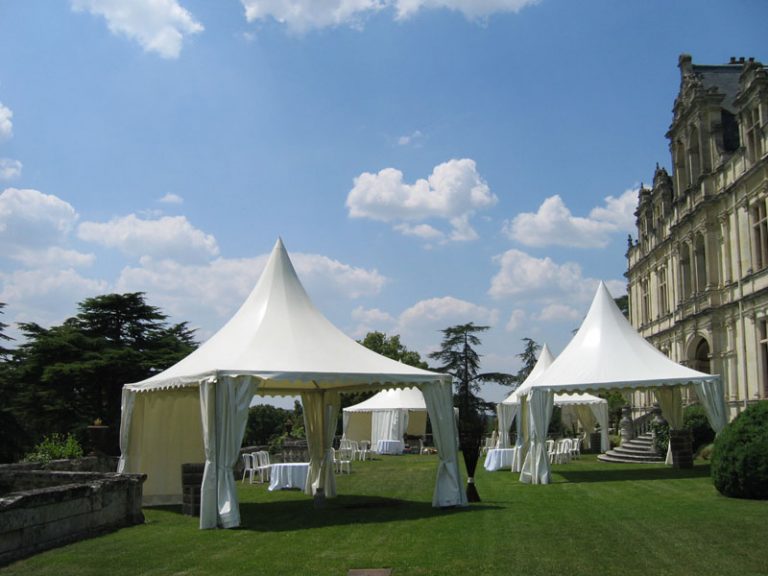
[(303, 15), (471, 9), (53, 257), (330, 276), (369, 320), (45, 296), (171, 199), (9, 169), (424, 231), (522, 274), (558, 313), (168, 237), (413, 139), (516, 319), (618, 211), (157, 25), (446, 311), (554, 224), (6, 124), (453, 192), (31, 219)]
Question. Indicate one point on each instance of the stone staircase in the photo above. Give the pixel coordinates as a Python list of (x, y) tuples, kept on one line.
[(637, 451)]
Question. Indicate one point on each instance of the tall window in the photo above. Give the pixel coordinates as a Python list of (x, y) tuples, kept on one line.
[(663, 298), (685, 271), (694, 156), (759, 236), (753, 134), (701, 263), (681, 172), (763, 335), (645, 299)]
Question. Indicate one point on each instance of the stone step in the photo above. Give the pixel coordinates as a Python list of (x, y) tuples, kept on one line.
[(612, 459)]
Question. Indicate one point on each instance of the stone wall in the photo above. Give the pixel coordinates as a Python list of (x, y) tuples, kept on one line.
[(48, 508)]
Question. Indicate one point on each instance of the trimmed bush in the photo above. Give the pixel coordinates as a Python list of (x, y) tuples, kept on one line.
[(695, 419), (740, 455)]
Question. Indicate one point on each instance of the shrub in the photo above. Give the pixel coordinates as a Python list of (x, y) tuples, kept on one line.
[(695, 419), (740, 455), (55, 447), (660, 436)]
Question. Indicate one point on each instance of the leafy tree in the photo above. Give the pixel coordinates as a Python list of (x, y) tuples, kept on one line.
[(623, 304), (13, 437), (73, 374), (265, 423), (528, 358), (389, 346), (459, 359)]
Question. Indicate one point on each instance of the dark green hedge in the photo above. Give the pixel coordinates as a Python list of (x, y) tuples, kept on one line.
[(740, 455)]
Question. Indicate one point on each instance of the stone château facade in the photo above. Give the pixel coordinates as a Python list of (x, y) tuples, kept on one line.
[(698, 271)]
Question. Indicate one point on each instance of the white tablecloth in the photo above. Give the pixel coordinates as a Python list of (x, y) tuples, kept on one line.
[(288, 475), (498, 458), (389, 447)]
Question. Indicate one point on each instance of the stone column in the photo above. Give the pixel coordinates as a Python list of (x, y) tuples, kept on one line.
[(626, 428)]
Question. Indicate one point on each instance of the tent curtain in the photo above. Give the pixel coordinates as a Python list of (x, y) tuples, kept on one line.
[(586, 416), (505, 414), (388, 425), (536, 465), (321, 411), (671, 404), (344, 424), (224, 412), (126, 416), (521, 429), (711, 396), (601, 415), (439, 400)]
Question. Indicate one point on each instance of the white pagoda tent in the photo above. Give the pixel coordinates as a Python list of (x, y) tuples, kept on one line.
[(387, 415), (277, 343), (587, 409), (607, 353)]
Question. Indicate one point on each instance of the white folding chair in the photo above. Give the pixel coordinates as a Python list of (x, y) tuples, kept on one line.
[(363, 448), (563, 451), (551, 450), (576, 447), (342, 458), (248, 467), (262, 465)]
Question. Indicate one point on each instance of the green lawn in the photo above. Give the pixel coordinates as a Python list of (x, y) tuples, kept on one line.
[(593, 519)]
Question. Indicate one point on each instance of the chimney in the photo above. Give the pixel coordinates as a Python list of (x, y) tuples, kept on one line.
[(685, 63)]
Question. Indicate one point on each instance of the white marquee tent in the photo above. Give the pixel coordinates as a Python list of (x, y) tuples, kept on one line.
[(607, 353), (586, 408), (277, 343), (387, 415)]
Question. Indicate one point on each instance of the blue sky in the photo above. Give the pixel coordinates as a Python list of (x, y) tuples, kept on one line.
[(426, 162)]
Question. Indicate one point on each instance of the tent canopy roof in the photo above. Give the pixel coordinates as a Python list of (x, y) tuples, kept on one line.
[(607, 352), (279, 337), (395, 399), (544, 361)]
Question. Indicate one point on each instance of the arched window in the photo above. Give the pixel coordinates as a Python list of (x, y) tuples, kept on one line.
[(701, 356)]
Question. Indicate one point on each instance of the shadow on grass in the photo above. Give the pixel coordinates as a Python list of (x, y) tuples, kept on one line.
[(342, 510), (624, 474)]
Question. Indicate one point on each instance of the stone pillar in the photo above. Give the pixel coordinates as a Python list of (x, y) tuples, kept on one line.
[(626, 428)]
